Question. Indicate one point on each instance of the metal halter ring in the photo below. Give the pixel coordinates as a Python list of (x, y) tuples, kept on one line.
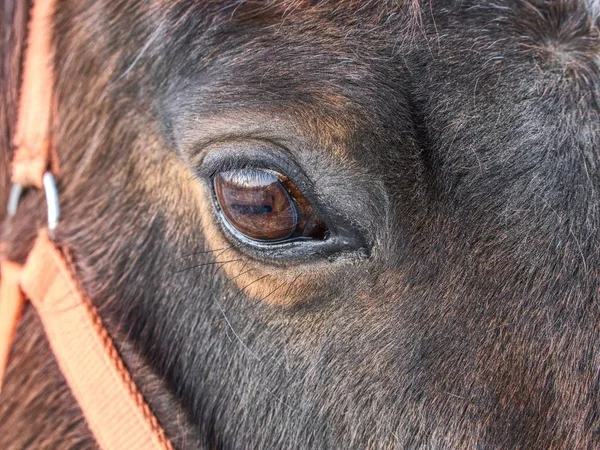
[(51, 200)]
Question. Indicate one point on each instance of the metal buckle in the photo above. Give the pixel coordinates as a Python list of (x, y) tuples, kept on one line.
[(51, 200)]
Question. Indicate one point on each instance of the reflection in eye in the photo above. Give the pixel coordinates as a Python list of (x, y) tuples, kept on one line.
[(265, 205)]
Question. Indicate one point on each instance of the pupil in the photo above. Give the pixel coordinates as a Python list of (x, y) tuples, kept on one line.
[(252, 209)]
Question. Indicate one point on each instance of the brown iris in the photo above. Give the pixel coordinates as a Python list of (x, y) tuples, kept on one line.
[(265, 205)]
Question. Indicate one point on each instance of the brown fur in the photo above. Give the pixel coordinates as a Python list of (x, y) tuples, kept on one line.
[(464, 136)]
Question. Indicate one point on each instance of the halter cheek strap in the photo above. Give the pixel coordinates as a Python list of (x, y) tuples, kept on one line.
[(11, 307), (34, 152), (113, 407)]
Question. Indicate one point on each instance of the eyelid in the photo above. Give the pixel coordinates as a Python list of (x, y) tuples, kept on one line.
[(256, 154), (251, 151), (343, 238)]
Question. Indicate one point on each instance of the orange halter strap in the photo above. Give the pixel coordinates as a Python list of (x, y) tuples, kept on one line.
[(114, 409)]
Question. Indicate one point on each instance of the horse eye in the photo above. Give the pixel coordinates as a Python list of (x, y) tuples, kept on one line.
[(266, 206)]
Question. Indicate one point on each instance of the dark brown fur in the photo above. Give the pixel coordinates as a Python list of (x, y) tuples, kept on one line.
[(463, 136)]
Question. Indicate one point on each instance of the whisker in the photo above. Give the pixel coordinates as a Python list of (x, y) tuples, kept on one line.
[(291, 284), (254, 303), (211, 263), (203, 252), (235, 334), (248, 285), (272, 292), (243, 310), (242, 272), (220, 250)]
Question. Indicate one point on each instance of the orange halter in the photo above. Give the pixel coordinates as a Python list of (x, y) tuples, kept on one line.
[(114, 409)]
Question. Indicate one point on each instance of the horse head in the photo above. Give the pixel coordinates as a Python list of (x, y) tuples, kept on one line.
[(325, 224)]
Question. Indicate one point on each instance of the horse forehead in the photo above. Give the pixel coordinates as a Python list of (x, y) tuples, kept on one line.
[(360, 60), (343, 43)]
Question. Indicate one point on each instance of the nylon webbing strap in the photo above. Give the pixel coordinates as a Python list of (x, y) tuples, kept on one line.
[(11, 307), (114, 409), (33, 152)]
